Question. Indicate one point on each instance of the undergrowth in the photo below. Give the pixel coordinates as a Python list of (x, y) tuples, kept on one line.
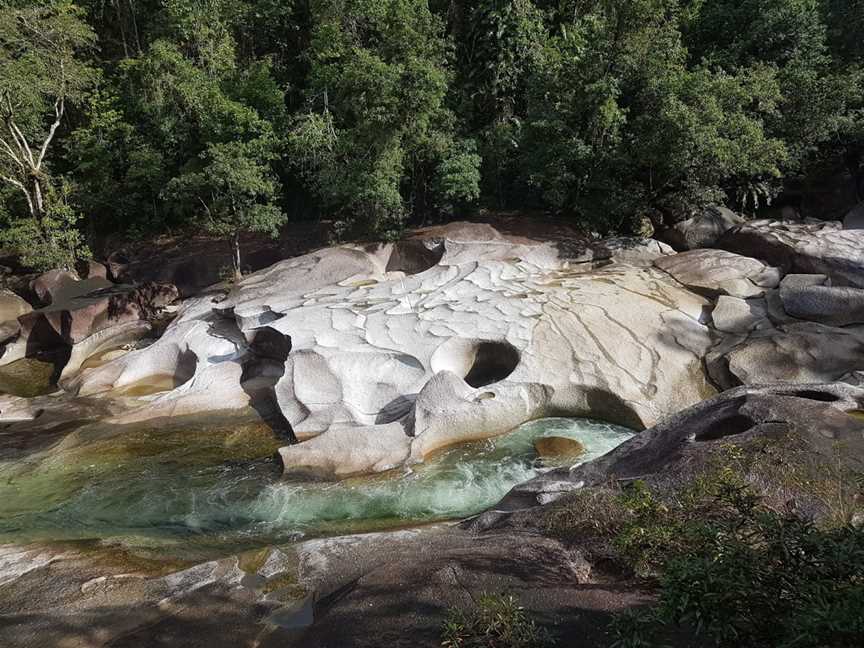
[(495, 621), (733, 553), (760, 546)]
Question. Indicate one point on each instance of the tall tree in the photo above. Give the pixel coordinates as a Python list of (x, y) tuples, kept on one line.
[(498, 44), (43, 70), (189, 130), (619, 126), (237, 190), (791, 37), (377, 133)]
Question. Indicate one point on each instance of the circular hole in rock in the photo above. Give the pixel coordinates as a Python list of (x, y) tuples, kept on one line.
[(493, 361)]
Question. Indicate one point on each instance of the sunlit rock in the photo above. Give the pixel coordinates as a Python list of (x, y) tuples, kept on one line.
[(716, 272), (12, 306), (459, 335)]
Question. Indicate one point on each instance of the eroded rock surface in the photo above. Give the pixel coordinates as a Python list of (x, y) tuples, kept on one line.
[(717, 272), (461, 335), (380, 355), (376, 357), (816, 247)]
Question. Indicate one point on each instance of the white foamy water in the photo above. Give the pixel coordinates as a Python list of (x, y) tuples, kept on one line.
[(175, 497), (460, 481)]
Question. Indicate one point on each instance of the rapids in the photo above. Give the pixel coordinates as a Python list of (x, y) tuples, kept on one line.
[(195, 491)]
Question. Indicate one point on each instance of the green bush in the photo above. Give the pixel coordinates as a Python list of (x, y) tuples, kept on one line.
[(631, 530), (741, 573), (759, 546), (495, 622)]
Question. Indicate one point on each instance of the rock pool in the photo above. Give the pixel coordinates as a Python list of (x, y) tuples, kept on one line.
[(176, 491)]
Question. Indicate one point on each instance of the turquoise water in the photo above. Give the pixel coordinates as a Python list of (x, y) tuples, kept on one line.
[(188, 491)]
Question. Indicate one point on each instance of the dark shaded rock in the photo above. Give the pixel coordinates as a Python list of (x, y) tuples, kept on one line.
[(382, 589), (809, 248), (403, 599), (837, 306), (92, 270), (703, 230), (117, 264), (798, 352), (87, 317), (814, 415), (413, 256), (190, 271), (794, 281), (269, 343), (49, 285), (829, 192), (73, 317), (630, 250), (854, 219)]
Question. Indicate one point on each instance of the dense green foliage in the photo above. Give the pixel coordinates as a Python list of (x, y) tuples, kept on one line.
[(43, 69), (231, 115), (742, 573)]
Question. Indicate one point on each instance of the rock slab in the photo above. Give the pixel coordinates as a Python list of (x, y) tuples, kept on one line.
[(809, 248), (717, 272)]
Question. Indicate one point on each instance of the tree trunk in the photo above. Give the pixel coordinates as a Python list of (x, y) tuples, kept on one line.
[(38, 202), (235, 257), (120, 24)]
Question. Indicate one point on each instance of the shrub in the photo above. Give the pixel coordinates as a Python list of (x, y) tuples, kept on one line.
[(744, 574), (495, 622)]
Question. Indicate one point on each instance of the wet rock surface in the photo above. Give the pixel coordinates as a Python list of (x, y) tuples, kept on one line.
[(554, 446), (82, 318), (398, 587)]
